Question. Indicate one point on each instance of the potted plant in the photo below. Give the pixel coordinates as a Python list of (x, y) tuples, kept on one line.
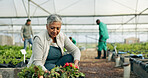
[(69, 70), (31, 72)]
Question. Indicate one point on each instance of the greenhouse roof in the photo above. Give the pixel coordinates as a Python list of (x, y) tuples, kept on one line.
[(117, 14), (19, 8)]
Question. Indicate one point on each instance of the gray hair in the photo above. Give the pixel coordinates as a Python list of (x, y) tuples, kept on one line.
[(53, 18)]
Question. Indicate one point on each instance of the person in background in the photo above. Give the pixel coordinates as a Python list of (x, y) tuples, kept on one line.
[(73, 40), (49, 44), (26, 32), (103, 36)]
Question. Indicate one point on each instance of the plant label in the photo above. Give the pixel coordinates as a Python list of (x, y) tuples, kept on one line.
[(23, 51)]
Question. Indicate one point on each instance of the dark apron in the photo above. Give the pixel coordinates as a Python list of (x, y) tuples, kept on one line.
[(53, 56)]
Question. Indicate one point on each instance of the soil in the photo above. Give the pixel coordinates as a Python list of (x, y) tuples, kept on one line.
[(99, 68)]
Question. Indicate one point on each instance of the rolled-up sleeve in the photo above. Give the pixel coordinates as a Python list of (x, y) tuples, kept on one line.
[(37, 52), (73, 49)]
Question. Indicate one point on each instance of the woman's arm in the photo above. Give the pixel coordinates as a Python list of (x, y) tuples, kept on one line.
[(73, 49), (37, 52)]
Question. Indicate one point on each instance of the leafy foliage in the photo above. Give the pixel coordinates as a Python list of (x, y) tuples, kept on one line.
[(67, 71), (31, 72), (12, 54), (138, 48)]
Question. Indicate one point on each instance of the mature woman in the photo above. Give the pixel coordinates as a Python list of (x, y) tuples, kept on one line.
[(49, 44)]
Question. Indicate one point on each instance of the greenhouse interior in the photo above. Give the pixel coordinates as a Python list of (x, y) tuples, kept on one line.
[(125, 50)]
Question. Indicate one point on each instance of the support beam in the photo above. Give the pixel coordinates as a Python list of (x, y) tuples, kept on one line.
[(135, 16), (28, 9), (72, 24), (40, 7), (113, 15)]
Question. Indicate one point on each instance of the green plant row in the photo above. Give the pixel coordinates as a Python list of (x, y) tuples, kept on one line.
[(12, 54), (138, 48), (129, 47)]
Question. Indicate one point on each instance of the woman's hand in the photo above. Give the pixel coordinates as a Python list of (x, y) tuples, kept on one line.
[(41, 76), (46, 71), (76, 62)]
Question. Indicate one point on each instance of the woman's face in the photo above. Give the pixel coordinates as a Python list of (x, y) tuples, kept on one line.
[(54, 29)]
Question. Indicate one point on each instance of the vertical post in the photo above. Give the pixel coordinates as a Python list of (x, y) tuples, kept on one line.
[(97, 42), (126, 73), (136, 20), (94, 7), (110, 56), (77, 38), (28, 9), (122, 26), (147, 35), (54, 6), (13, 35), (12, 32), (117, 60), (86, 42), (94, 10), (136, 27), (24, 58), (126, 60), (122, 29)]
